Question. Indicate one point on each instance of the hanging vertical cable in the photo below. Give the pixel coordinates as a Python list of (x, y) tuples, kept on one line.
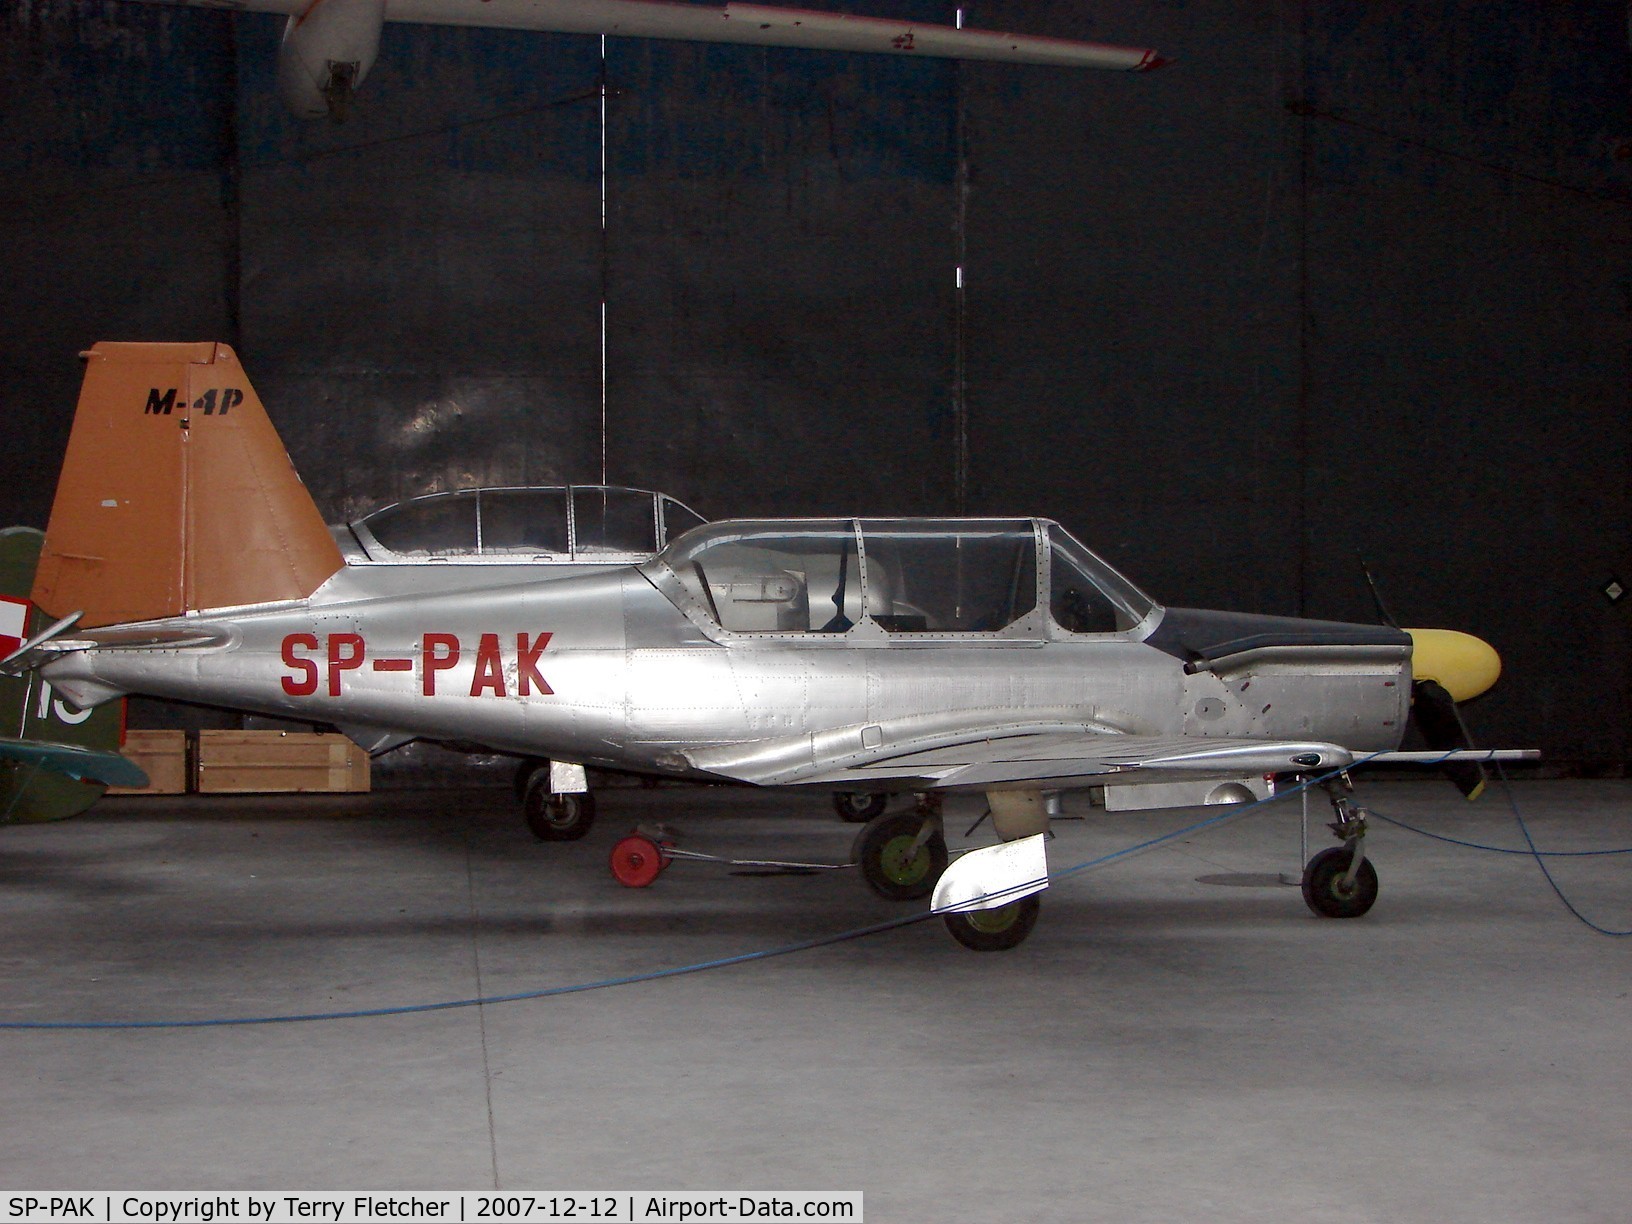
[(602, 91), (1304, 338), (960, 208), (232, 192)]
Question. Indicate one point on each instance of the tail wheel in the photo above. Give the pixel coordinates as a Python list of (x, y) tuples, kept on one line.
[(893, 862), (858, 807), (1327, 890), (561, 817), (995, 930), (636, 861)]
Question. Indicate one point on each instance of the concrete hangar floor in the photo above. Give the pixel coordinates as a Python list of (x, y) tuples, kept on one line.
[(1179, 1039)]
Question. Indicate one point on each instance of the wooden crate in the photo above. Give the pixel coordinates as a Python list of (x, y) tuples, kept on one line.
[(240, 762), (162, 756)]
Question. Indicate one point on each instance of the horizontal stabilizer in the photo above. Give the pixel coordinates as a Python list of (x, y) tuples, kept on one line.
[(72, 761), (56, 641), (31, 654)]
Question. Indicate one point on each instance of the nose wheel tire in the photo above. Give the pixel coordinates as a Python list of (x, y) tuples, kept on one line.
[(1328, 892), (995, 930), (858, 807), (896, 862), (563, 817)]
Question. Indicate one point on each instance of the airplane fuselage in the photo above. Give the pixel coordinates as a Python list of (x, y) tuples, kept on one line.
[(605, 669)]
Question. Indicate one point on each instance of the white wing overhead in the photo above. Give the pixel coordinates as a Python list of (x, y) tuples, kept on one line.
[(1002, 757), (754, 24)]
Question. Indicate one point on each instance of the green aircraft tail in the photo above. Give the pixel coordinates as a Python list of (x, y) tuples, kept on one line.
[(33, 788)]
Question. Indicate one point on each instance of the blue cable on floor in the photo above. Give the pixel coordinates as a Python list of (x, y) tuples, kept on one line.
[(1456, 841), (1235, 812), (1541, 862), (1530, 851), (653, 975)]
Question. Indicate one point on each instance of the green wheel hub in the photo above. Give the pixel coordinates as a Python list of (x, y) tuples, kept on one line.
[(903, 862), (994, 921)]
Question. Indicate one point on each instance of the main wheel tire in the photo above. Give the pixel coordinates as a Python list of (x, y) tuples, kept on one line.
[(858, 807), (525, 772), (562, 817), (890, 865), (1327, 893), (995, 930)]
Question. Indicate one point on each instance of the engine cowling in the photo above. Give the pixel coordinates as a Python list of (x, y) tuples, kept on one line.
[(326, 53)]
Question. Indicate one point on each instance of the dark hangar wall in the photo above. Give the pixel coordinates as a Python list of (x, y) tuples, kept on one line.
[(1346, 277)]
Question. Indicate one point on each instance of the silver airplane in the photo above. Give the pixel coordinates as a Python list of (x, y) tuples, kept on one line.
[(329, 46), (997, 656)]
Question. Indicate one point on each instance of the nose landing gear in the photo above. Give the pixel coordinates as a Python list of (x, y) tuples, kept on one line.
[(1340, 881)]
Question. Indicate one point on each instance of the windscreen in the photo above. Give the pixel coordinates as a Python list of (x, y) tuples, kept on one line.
[(678, 519), (1085, 594)]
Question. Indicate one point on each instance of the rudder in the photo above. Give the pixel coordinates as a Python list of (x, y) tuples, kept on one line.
[(176, 494)]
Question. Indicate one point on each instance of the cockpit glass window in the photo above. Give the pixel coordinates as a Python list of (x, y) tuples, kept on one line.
[(442, 524), (613, 521), (1085, 594), (772, 577), (678, 519), (524, 521), (950, 577)]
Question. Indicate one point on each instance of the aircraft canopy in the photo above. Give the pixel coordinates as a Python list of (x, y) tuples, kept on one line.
[(901, 576), (551, 523)]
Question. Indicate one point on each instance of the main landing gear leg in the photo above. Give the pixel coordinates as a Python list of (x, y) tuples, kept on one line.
[(557, 803), (1340, 881), (902, 854)]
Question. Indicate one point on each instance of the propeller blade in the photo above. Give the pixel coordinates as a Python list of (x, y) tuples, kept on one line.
[(1383, 612), (1443, 730)]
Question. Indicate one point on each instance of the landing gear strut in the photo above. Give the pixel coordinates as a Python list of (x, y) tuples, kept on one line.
[(1340, 881)]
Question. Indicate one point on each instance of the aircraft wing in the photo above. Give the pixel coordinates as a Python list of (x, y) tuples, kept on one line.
[(73, 761), (753, 24), (997, 758)]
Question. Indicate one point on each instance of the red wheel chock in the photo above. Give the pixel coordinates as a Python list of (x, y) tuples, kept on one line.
[(637, 860)]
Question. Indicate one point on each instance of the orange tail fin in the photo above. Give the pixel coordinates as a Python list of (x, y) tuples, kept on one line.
[(176, 494)]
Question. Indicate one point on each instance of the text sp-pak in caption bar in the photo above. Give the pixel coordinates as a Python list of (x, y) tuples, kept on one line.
[(475, 1207)]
